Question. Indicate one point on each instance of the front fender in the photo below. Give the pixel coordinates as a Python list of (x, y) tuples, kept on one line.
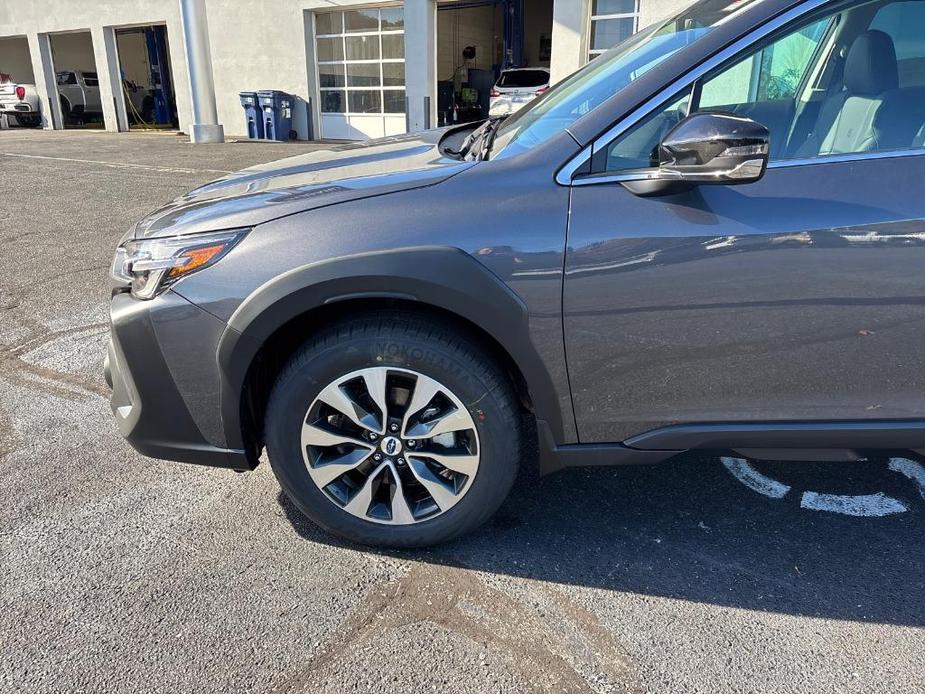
[(442, 277)]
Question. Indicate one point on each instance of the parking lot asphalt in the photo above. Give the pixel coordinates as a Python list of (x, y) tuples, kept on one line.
[(123, 574)]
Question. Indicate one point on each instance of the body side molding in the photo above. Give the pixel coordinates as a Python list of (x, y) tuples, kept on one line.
[(872, 434)]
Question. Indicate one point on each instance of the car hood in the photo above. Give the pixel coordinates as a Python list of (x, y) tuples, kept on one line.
[(325, 177)]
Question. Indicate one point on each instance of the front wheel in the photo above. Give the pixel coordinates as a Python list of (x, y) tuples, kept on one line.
[(394, 430)]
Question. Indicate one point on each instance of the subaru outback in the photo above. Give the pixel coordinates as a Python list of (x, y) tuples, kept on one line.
[(710, 237)]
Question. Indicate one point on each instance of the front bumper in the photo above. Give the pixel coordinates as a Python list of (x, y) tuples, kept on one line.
[(164, 399)]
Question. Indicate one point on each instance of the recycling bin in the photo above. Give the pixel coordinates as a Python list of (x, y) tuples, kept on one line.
[(253, 115), (276, 110)]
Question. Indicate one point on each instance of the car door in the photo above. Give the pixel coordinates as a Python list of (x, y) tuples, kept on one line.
[(70, 89), (91, 89), (798, 297)]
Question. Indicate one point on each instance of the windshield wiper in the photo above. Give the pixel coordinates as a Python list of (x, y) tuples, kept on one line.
[(489, 130), (478, 143), (466, 143)]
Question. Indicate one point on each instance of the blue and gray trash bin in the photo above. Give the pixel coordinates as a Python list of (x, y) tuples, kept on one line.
[(276, 110), (253, 115)]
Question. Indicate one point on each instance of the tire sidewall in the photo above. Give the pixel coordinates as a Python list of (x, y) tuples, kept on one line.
[(476, 386)]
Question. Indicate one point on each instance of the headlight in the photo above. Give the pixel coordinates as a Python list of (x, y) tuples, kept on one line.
[(150, 265)]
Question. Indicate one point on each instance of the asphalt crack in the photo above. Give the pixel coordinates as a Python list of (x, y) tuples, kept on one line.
[(530, 639), (16, 370)]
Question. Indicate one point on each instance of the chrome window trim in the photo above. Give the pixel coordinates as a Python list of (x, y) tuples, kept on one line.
[(623, 176), (846, 158), (652, 173), (564, 175)]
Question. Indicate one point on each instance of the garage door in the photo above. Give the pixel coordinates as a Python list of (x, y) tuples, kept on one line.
[(361, 72)]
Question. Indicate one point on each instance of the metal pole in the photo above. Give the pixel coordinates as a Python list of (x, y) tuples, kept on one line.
[(205, 126)]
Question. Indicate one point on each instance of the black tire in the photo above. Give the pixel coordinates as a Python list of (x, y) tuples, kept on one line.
[(408, 341), (78, 115), (66, 115)]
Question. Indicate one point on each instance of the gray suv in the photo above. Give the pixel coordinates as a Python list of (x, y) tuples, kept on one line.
[(710, 237)]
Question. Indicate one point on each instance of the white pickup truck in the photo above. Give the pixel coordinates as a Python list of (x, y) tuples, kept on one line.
[(78, 92), (19, 101), (80, 95)]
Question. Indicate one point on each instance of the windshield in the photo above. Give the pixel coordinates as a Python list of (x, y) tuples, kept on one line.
[(607, 74)]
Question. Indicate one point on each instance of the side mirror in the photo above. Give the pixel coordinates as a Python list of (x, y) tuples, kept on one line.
[(707, 148)]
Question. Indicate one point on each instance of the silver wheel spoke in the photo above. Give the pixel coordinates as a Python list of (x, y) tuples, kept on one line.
[(327, 472), (437, 488), (424, 391), (359, 504), (316, 436), (401, 512), (457, 420), (375, 386), (466, 464)]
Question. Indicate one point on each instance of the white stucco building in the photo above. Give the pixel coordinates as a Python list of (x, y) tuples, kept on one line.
[(357, 69)]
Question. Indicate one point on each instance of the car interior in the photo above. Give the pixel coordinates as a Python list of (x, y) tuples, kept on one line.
[(850, 82)]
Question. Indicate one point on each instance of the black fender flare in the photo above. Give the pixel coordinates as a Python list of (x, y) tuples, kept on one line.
[(445, 278)]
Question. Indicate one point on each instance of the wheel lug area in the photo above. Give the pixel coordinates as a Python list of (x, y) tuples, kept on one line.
[(377, 457), (372, 435), (393, 427)]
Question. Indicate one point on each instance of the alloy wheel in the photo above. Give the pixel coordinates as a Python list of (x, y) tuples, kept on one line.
[(390, 445)]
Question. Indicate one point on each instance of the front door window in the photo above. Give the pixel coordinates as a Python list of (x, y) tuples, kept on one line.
[(849, 82)]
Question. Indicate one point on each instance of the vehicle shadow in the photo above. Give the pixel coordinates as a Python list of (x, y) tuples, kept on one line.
[(688, 530)]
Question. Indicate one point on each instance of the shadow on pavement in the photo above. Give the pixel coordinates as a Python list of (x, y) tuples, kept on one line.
[(688, 530)]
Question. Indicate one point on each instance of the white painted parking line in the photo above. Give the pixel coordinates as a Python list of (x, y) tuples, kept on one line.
[(743, 471), (862, 506), (911, 469), (117, 164)]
